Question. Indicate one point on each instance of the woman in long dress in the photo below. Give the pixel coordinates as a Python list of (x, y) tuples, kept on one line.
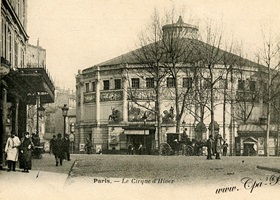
[(25, 152), (11, 149)]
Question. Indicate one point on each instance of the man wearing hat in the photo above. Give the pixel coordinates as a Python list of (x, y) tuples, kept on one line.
[(210, 144), (218, 144), (176, 147)]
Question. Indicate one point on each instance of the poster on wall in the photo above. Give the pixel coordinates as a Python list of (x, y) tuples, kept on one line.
[(136, 111)]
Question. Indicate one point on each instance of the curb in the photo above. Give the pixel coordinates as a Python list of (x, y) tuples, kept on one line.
[(69, 173), (269, 169)]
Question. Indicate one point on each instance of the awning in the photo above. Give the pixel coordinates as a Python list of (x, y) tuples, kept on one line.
[(255, 128), (136, 132), (250, 140), (27, 82)]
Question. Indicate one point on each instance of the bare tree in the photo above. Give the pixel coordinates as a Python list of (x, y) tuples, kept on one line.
[(149, 55), (209, 53), (270, 57), (178, 60)]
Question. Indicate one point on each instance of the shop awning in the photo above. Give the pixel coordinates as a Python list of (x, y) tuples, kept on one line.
[(28, 82), (255, 128), (136, 132), (250, 140)]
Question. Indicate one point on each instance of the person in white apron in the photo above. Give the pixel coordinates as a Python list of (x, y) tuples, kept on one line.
[(11, 149)]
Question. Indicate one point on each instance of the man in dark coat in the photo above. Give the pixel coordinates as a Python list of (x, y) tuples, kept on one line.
[(176, 147), (53, 140), (218, 145), (210, 144), (66, 145), (58, 150), (225, 146), (25, 152)]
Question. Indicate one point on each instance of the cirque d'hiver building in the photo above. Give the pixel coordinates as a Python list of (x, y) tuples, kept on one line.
[(113, 97)]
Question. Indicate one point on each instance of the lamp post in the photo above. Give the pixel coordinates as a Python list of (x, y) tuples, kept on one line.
[(40, 114), (144, 119), (64, 113)]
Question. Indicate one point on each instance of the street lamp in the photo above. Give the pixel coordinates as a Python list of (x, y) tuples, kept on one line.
[(64, 113), (40, 114), (144, 119)]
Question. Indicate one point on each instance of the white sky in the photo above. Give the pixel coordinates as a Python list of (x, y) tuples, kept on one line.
[(78, 34)]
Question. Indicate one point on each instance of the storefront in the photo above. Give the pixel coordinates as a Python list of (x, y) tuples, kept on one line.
[(121, 137), (20, 88), (251, 140)]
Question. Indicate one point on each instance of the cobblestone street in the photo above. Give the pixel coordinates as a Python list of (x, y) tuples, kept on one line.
[(150, 177), (182, 169)]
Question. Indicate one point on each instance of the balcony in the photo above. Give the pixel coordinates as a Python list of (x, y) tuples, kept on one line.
[(29, 82)]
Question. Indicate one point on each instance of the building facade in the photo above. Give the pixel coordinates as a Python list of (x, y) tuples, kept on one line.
[(21, 85), (54, 121), (116, 100)]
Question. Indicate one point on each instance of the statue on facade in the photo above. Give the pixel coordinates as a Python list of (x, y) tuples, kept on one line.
[(115, 116), (168, 115)]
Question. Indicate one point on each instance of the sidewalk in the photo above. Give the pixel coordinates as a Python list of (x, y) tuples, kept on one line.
[(44, 180), (44, 183), (273, 166)]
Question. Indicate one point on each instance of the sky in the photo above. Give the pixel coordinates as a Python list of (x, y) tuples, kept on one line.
[(78, 34)]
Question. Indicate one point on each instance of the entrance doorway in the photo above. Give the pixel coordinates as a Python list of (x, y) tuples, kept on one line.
[(146, 140), (249, 149)]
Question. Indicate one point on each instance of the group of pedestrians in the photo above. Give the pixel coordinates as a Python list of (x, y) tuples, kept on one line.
[(21, 150), (216, 146), (60, 148)]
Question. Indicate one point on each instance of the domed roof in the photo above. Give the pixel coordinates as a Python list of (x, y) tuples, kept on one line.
[(179, 24)]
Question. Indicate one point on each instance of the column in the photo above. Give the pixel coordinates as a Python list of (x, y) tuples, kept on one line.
[(96, 131), (3, 114), (81, 91), (97, 97), (125, 96), (15, 116), (81, 136)]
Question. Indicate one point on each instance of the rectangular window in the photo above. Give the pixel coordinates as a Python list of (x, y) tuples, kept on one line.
[(3, 36), (106, 85), (9, 46), (207, 83), (170, 82), (223, 84), (93, 86), (22, 58), (150, 82), (241, 85), (252, 86), (135, 83), (87, 87), (187, 82), (118, 84), (16, 54)]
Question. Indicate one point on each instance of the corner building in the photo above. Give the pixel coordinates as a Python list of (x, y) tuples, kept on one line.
[(22, 83), (113, 97)]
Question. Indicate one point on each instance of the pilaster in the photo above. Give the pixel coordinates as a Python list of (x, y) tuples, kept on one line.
[(98, 97), (125, 96)]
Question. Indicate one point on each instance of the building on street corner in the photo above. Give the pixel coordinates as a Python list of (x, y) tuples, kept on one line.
[(117, 99), (23, 84)]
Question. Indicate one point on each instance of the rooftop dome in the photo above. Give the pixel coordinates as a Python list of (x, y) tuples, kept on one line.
[(180, 27)]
